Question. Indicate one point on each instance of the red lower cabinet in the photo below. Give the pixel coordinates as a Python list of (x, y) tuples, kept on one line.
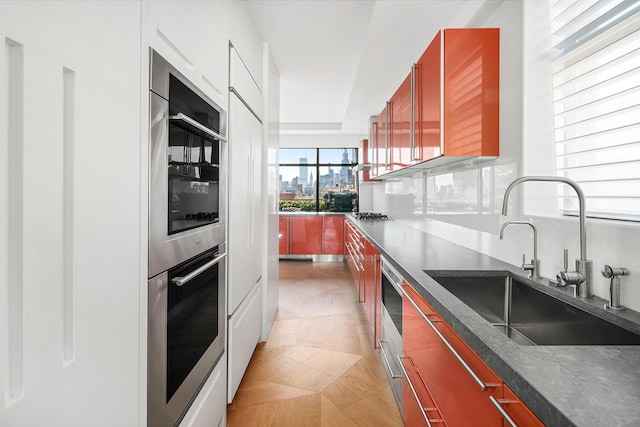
[(284, 235), (371, 285), (456, 382), (516, 410), (306, 235), (333, 235)]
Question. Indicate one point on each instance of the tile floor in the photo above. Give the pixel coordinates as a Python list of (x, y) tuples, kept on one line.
[(318, 367)]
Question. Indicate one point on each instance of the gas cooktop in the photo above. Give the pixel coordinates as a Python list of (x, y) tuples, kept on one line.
[(370, 215)]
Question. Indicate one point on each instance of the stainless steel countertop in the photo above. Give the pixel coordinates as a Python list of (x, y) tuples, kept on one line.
[(589, 386)]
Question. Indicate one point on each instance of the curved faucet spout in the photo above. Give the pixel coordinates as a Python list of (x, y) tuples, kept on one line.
[(535, 234), (557, 179)]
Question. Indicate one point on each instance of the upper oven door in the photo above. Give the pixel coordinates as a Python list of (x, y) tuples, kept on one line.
[(187, 176)]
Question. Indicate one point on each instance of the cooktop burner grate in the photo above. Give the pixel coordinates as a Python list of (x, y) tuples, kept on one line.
[(370, 215)]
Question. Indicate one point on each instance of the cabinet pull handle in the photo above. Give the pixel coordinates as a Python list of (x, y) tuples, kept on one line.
[(498, 405), (386, 360), (188, 120), (415, 396), (183, 280), (453, 351), (412, 129)]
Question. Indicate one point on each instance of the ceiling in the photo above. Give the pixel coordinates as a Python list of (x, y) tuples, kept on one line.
[(340, 60)]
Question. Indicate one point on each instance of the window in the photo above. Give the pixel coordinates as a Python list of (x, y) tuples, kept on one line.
[(318, 179), (596, 95)]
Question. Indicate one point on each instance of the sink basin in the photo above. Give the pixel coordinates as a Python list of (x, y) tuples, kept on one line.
[(529, 316)]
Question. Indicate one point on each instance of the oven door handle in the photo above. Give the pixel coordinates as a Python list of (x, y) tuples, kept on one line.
[(184, 118), (179, 281)]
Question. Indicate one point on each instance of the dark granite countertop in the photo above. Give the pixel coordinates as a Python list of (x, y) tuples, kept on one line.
[(590, 386)]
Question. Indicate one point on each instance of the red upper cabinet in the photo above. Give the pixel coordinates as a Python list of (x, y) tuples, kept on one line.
[(428, 95), (449, 105), (366, 154), (400, 124), (383, 135), (471, 92)]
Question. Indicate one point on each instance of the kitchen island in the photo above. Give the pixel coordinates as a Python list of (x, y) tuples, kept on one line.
[(588, 386)]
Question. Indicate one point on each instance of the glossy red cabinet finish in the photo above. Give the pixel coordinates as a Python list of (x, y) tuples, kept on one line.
[(353, 253), (372, 290), (306, 235), (383, 137), (333, 235), (443, 379), (367, 153), (399, 124), (428, 95), (471, 92), (284, 235)]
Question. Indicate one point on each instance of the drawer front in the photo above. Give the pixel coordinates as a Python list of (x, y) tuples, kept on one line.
[(459, 382)]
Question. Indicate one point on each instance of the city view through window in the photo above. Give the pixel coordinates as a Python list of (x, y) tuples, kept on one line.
[(318, 179)]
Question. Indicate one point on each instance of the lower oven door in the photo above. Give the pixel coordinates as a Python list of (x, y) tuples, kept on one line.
[(186, 334)]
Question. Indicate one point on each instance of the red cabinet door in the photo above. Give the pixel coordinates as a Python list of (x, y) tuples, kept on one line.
[(382, 142), (284, 235), (333, 235), (306, 235), (371, 292), (458, 397), (399, 124), (427, 97), (471, 76), (352, 254)]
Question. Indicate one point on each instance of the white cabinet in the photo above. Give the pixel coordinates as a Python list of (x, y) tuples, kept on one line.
[(70, 274), (246, 207), (245, 328), (209, 407)]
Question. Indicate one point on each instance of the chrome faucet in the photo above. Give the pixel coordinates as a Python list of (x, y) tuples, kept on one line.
[(614, 274), (583, 276), (534, 267)]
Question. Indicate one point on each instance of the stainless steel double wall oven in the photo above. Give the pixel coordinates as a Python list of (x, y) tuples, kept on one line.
[(187, 274)]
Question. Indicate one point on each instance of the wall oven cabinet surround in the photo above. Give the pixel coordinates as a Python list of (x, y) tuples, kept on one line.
[(186, 339), (186, 169), (448, 109), (246, 227)]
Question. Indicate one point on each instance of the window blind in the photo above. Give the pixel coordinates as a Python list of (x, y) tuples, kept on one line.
[(596, 98)]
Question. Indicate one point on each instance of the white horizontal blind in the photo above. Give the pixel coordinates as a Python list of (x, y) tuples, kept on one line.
[(596, 94)]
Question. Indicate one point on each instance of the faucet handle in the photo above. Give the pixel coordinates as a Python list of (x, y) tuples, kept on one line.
[(611, 272), (566, 259)]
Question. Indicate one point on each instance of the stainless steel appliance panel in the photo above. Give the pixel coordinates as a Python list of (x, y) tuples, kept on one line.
[(168, 249), (169, 393), (391, 326)]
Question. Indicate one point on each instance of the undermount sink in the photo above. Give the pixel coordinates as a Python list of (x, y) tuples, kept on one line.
[(527, 315)]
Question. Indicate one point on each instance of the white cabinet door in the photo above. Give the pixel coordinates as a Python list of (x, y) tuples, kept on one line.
[(70, 336), (245, 327), (209, 408)]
